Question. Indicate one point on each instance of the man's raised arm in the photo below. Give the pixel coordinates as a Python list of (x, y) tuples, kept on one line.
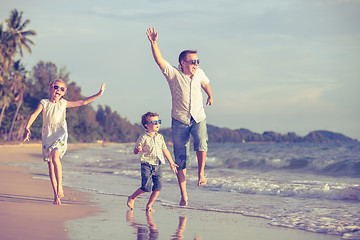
[(153, 36)]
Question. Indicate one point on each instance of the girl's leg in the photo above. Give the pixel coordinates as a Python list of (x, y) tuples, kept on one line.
[(152, 199), (132, 198), (54, 158), (53, 180)]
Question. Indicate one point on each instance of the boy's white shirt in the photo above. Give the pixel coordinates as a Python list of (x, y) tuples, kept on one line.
[(152, 148)]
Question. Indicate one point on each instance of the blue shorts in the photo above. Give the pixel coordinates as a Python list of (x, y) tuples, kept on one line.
[(181, 138), (151, 176)]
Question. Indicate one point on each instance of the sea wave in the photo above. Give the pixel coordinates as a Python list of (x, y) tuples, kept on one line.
[(326, 159)]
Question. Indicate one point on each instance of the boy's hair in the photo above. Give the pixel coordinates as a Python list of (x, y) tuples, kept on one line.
[(184, 53), (146, 118)]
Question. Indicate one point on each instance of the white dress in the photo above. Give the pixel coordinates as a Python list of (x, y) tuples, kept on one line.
[(54, 128)]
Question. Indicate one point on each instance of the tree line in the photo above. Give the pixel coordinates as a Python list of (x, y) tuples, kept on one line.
[(22, 89)]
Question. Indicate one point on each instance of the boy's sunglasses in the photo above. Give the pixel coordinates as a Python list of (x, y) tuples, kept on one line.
[(154, 122), (193, 62), (61, 88)]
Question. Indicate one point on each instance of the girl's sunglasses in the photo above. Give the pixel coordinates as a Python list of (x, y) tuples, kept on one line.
[(61, 88), (154, 122)]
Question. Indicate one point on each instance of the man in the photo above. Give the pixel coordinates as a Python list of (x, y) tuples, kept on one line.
[(188, 115)]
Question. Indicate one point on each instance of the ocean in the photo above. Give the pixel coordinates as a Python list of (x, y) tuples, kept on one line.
[(313, 187)]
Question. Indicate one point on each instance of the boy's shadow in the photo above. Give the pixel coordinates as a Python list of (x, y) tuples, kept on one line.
[(150, 231)]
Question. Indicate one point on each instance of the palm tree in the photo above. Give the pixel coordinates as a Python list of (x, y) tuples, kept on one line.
[(18, 36), (12, 41), (18, 86), (6, 52)]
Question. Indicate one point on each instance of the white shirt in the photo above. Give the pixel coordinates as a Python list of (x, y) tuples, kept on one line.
[(54, 122), (151, 148), (187, 99)]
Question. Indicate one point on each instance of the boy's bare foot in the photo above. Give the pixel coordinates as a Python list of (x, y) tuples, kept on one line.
[(183, 202), (150, 210), (202, 181), (130, 203)]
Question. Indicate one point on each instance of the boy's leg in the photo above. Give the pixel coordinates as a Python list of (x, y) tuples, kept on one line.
[(132, 198), (157, 185), (145, 184), (152, 199)]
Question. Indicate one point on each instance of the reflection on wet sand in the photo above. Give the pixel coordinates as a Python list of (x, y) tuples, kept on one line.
[(180, 231), (150, 231), (143, 231)]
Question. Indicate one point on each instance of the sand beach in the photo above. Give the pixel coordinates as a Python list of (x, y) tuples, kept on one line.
[(27, 212)]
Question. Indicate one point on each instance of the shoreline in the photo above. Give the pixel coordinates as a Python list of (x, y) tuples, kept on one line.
[(26, 203), (28, 213)]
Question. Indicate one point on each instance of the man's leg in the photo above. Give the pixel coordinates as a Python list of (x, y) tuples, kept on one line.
[(181, 140), (201, 156), (181, 175), (199, 132)]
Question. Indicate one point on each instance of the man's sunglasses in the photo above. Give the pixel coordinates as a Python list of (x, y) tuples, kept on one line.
[(154, 122), (193, 62), (56, 87)]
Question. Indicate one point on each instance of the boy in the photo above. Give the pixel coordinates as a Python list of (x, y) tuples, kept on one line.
[(152, 148)]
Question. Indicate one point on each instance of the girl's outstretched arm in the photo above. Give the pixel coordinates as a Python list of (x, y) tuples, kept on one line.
[(86, 100), (31, 120)]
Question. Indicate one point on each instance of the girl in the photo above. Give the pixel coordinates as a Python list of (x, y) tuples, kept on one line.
[(54, 130)]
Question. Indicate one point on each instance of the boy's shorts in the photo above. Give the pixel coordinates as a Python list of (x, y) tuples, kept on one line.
[(151, 176), (181, 138)]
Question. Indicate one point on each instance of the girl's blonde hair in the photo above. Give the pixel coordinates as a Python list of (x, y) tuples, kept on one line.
[(52, 83), (55, 81)]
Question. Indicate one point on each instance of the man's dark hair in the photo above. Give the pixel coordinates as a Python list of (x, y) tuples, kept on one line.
[(184, 53)]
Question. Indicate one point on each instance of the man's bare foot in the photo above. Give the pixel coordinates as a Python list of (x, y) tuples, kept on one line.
[(130, 203), (202, 181), (183, 202), (57, 201)]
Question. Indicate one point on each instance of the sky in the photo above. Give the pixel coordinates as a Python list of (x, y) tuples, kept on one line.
[(274, 65)]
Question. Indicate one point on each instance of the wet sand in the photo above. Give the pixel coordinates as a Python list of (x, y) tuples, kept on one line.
[(26, 207), (27, 211)]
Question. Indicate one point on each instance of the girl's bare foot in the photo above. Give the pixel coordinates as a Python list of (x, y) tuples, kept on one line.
[(61, 193), (130, 203), (183, 202), (57, 201)]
